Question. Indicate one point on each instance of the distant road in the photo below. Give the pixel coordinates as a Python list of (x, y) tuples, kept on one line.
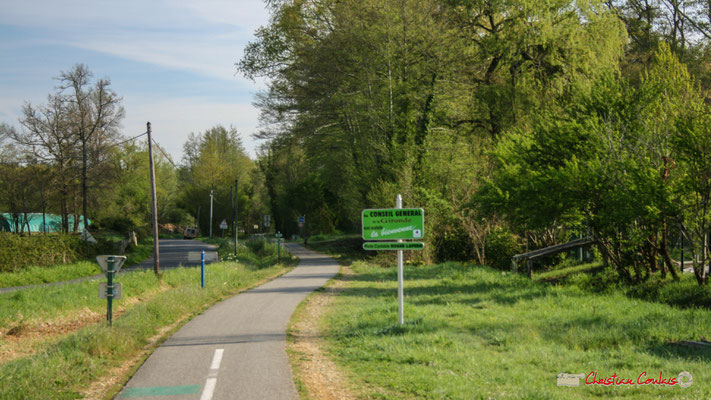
[(237, 348), (173, 253)]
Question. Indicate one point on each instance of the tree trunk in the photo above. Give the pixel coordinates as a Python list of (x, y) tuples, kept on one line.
[(84, 182), (665, 252)]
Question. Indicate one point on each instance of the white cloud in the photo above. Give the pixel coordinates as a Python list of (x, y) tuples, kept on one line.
[(203, 37), (206, 37)]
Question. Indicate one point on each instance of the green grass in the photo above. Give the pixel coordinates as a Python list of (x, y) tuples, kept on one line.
[(473, 332), (60, 368), (345, 248), (682, 293), (557, 274), (34, 275), (39, 275), (140, 253)]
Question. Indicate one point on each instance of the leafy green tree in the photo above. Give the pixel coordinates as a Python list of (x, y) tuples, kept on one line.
[(213, 161), (612, 159), (373, 98)]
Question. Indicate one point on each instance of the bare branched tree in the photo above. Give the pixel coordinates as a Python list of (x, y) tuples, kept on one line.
[(96, 114)]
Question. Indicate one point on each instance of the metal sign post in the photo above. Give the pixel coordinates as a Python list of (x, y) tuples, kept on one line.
[(110, 265), (110, 291), (202, 268), (400, 289), (395, 224), (301, 222), (223, 226)]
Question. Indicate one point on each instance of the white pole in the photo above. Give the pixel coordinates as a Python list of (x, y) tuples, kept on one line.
[(400, 291), (210, 213)]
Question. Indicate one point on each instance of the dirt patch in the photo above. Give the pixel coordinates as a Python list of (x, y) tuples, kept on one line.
[(320, 378), (25, 338)]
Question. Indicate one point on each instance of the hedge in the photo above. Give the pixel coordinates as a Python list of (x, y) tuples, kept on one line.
[(17, 252)]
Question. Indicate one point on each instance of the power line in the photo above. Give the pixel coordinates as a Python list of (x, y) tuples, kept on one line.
[(170, 160), (126, 141)]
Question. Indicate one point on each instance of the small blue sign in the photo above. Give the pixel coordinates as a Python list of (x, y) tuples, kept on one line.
[(302, 219)]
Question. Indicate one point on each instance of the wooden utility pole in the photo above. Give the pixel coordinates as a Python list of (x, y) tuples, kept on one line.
[(211, 198), (156, 252), (232, 205), (234, 221)]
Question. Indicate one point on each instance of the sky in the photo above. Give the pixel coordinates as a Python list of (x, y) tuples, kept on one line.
[(172, 61)]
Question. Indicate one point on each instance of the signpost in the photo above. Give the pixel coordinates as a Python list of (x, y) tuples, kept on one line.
[(278, 236), (223, 226), (104, 290), (197, 256), (393, 246), (110, 265), (203, 256), (394, 224)]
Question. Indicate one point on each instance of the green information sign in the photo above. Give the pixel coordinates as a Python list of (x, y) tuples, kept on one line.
[(393, 223), (393, 246)]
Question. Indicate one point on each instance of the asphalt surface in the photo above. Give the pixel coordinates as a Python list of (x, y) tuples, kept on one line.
[(237, 348), (173, 253)]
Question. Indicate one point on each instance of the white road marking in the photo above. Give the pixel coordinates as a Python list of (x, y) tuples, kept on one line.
[(209, 389), (217, 359), (212, 380)]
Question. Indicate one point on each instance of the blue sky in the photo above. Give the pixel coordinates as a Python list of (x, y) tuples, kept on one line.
[(171, 61)]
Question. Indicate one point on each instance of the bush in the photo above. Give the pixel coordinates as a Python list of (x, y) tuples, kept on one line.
[(17, 252), (501, 246), (453, 245)]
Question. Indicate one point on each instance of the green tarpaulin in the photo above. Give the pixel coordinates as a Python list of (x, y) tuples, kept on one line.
[(35, 222)]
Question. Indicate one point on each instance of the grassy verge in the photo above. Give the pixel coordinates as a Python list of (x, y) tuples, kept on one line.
[(344, 248), (560, 274), (65, 272), (61, 367), (473, 332), (138, 254), (39, 275)]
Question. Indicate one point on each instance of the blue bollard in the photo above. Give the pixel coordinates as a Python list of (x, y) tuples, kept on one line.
[(202, 269)]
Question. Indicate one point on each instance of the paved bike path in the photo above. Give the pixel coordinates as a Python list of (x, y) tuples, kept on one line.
[(237, 348)]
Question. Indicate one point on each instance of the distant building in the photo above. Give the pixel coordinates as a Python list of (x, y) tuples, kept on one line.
[(33, 222)]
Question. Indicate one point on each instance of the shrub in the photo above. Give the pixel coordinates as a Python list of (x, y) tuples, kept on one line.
[(453, 245), (17, 252), (501, 245)]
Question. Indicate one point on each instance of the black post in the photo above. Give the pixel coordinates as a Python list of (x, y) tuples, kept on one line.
[(681, 240), (110, 289)]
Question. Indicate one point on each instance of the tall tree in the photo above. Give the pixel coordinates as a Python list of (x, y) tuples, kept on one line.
[(47, 138), (96, 113), (213, 161)]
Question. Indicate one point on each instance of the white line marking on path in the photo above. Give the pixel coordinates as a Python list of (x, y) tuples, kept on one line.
[(209, 389), (212, 381), (217, 359)]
